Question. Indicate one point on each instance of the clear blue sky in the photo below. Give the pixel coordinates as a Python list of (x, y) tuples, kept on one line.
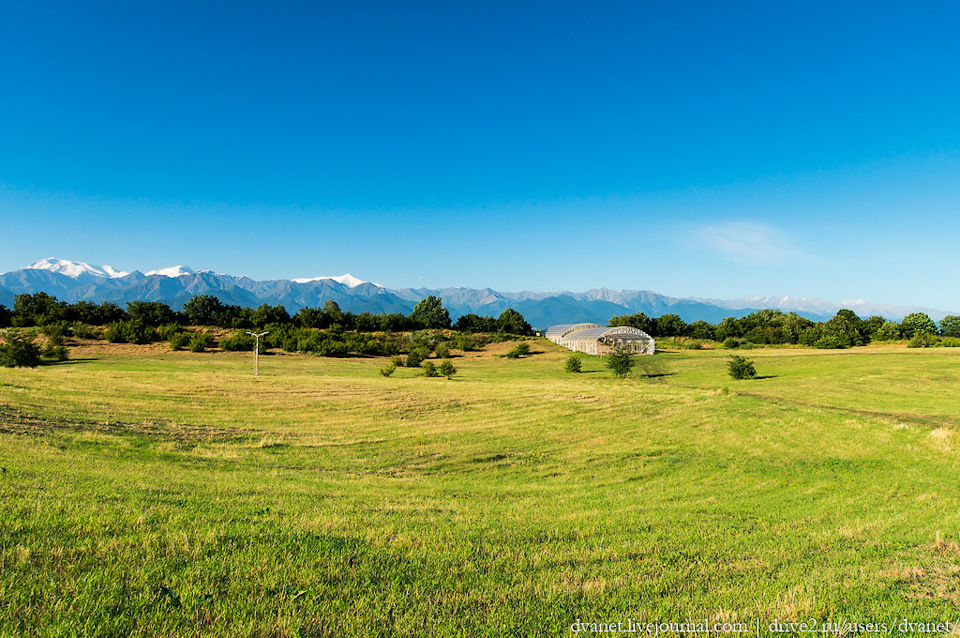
[(715, 149)]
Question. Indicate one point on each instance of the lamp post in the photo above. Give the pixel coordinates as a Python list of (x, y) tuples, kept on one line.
[(256, 352)]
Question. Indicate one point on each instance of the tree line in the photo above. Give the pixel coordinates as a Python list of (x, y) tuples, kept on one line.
[(775, 327), (41, 309)]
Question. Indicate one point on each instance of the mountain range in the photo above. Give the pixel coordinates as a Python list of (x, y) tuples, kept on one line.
[(73, 281)]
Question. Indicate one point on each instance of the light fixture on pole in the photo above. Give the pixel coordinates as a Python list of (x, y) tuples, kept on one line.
[(256, 352)]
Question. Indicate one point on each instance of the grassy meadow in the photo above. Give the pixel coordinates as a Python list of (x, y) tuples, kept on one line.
[(153, 493)]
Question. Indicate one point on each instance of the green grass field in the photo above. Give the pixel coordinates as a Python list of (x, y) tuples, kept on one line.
[(153, 493)]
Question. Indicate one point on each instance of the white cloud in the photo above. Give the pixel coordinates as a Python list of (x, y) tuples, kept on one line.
[(755, 244)]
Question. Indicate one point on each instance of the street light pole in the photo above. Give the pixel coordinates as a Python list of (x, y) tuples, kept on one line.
[(256, 352)]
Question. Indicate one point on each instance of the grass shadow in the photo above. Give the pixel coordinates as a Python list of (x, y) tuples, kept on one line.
[(70, 361)]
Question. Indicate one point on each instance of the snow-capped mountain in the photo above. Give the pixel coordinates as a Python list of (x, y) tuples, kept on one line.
[(347, 280), (173, 271), (76, 269), (73, 281)]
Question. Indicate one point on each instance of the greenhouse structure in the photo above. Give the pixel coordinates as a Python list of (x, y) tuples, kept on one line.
[(595, 339)]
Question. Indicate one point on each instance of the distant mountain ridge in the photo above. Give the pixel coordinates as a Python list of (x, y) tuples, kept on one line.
[(73, 281)]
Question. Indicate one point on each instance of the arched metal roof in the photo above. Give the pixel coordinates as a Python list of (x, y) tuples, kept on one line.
[(554, 333), (596, 339)]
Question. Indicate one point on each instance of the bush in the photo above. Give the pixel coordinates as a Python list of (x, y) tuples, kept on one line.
[(84, 331), (693, 345), (519, 350), (240, 342), (574, 364), (167, 330), (19, 351), (429, 370), (741, 368), (446, 369), (831, 341), (114, 333), (200, 341), (442, 350), (397, 361), (620, 361), (923, 340), (388, 370), (137, 331), (413, 359), (179, 341), (464, 343), (732, 342), (55, 352)]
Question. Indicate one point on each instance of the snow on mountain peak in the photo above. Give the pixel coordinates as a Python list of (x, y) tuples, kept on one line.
[(173, 271), (347, 280), (75, 269)]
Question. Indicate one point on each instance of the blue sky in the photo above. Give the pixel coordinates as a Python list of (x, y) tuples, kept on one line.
[(700, 148)]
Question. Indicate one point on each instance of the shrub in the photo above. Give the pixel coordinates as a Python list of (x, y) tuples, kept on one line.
[(429, 370), (446, 369), (574, 364), (741, 368), (519, 350), (693, 345), (949, 342), (167, 330), (179, 341), (19, 351), (413, 359), (55, 352), (137, 331), (464, 343), (84, 331), (731, 342), (240, 342), (442, 350), (923, 340), (620, 361), (388, 370), (200, 341), (831, 341), (397, 361), (114, 333)]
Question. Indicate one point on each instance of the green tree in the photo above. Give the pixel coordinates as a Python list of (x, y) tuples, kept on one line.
[(574, 364), (151, 313), (700, 329), (620, 361), (204, 310), (429, 370), (918, 323), (888, 331), (512, 322), (430, 313), (267, 314), (37, 309), (950, 326), (669, 325), (475, 323), (19, 351), (332, 314), (638, 320), (741, 368), (845, 329), (446, 368)]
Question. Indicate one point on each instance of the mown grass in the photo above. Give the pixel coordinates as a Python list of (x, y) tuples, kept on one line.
[(156, 493)]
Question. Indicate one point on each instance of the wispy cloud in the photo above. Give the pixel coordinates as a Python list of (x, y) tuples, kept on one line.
[(755, 244)]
